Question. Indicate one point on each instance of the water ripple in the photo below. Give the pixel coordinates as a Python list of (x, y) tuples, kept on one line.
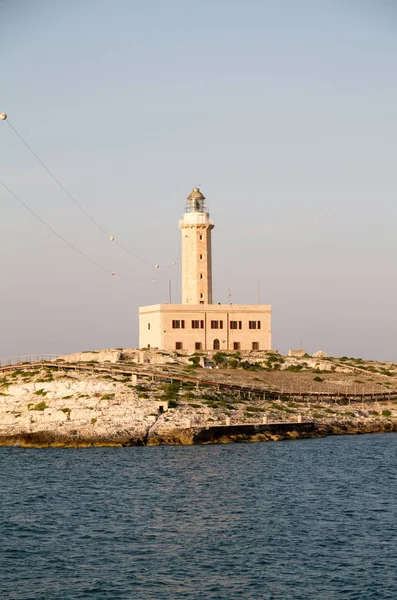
[(302, 520)]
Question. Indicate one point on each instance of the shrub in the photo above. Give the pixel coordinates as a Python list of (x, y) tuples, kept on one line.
[(40, 406), (172, 403), (219, 358), (93, 421), (195, 360), (67, 411), (386, 413), (294, 368), (194, 405), (40, 393), (107, 396), (317, 378)]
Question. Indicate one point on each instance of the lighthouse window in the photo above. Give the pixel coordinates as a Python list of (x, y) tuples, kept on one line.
[(201, 237), (201, 295), (201, 257), (148, 325), (201, 275), (196, 324)]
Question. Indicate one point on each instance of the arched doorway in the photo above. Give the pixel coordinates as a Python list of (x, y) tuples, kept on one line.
[(216, 345)]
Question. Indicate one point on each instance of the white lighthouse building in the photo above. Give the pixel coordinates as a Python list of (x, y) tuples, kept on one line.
[(197, 323)]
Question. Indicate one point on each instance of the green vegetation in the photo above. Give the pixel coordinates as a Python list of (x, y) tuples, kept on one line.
[(108, 396), (141, 388), (93, 421), (195, 360), (40, 406), (67, 411), (219, 358), (40, 392), (386, 413), (171, 393), (317, 378)]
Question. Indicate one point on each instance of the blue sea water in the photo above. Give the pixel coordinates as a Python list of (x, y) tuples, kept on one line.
[(310, 519)]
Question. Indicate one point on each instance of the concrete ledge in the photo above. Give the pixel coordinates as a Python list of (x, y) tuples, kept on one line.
[(213, 433)]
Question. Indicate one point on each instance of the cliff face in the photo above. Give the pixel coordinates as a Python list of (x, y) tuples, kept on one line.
[(49, 406)]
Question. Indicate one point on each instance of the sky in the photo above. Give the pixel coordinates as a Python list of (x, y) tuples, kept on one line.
[(283, 112)]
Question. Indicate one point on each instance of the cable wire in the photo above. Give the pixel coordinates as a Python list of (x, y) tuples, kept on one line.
[(87, 214), (69, 243)]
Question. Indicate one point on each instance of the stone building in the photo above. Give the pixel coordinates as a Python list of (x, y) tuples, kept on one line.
[(197, 323)]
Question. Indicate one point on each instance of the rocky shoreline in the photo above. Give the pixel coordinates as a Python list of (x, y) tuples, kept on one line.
[(193, 436), (54, 405)]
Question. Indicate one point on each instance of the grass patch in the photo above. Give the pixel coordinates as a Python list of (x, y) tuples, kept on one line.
[(40, 392), (386, 413), (40, 406), (107, 396), (93, 421)]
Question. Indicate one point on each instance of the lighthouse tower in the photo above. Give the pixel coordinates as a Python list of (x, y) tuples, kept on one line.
[(196, 228), (197, 324)]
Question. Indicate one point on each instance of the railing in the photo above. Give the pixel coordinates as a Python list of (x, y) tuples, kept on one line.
[(245, 391), (27, 358)]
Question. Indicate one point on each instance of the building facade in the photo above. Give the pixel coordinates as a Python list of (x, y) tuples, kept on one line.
[(198, 324)]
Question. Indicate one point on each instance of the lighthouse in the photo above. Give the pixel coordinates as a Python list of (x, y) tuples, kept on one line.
[(197, 324), (196, 227)]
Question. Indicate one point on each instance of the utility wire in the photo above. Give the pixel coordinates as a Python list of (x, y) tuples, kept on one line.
[(67, 242), (87, 214)]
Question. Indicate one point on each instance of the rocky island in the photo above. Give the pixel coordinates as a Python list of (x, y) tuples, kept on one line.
[(126, 397)]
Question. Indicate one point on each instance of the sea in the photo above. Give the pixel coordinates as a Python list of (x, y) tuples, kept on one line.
[(308, 519)]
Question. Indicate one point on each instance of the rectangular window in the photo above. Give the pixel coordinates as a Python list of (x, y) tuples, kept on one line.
[(201, 295), (197, 346), (201, 237), (201, 257), (201, 301), (196, 324), (240, 324), (236, 345), (233, 324), (259, 324), (148, 325), (201, 275), (177, 324), (201, 324), (252, 324), (178, 345), (255, 345), (216, 324)]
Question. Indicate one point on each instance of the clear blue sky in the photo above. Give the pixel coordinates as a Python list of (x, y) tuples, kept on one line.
[(283, 111)]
